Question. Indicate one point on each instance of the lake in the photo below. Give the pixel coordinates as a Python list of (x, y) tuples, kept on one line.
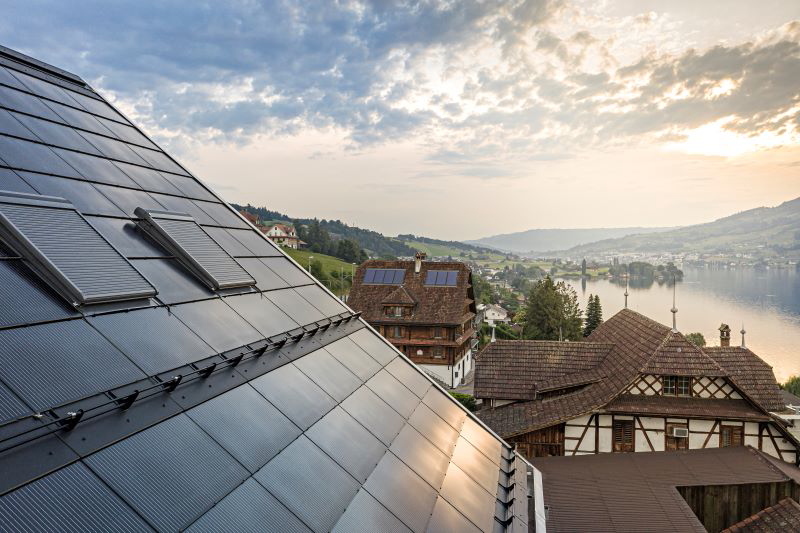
[(767, 302)]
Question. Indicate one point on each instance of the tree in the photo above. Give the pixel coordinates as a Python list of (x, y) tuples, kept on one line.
[(696, 338), (583, 267), (318, 271), (552, 312), (792, 385), (594, 315), (465, 399)]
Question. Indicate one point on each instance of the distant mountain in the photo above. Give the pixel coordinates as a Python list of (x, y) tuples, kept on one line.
[(542, 240), (764, 232)]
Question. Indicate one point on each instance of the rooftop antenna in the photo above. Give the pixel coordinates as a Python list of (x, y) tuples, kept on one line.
[(743, 332), (626, 292), (674, 309)]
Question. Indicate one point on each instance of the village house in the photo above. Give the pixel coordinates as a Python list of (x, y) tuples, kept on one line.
[(633, 385), (426, 309), (493, 314), (282, 235)]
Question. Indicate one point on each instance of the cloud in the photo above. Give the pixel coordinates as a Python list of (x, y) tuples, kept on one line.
[(487, 81)]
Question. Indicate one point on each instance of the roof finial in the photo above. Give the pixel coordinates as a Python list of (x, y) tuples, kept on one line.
[(626, 292), (743, 332), (674, 309), (493, 327)]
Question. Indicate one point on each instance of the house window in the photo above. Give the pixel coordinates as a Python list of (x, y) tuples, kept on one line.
[(398, 311), (677, 386), (397, 331), (730, 436), (623, 435), (438, 352), (437, 333)]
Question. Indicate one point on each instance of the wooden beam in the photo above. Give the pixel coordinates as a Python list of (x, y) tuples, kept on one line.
[(583, 434), (716, 423), (641, 426), (596, 434), (774, 443)]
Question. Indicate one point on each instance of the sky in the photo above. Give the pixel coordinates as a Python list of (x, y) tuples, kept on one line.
[(452, 119)]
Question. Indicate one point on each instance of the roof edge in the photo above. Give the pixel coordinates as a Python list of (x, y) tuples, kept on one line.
[(29, 61)]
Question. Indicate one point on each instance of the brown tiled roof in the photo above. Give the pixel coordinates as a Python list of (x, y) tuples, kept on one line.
[(399, 296), (638, 345), (637, 491), (678, 357), (432, 305), (750, 373), (691, 407), (518, 369), (782, 517)]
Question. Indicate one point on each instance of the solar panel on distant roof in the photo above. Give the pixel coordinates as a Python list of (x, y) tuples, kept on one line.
[(385, 276), (441, 278)]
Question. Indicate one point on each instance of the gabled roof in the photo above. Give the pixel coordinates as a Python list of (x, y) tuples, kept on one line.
[(622, 348), (635, 491), (779, 518), (198, 409), (750, 373), (434, 304), (518, 369), (399, 296)]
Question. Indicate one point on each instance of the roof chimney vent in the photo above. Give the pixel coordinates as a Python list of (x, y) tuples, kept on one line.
[(724, 335), (418, 259)]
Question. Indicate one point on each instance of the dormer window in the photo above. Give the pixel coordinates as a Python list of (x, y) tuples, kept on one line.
[(677, 386), (398, 311)]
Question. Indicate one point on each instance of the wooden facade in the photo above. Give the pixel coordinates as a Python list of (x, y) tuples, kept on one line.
[(547, 442), (720, 506)]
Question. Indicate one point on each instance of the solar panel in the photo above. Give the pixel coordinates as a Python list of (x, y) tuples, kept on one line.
[(249, 509), (385, 276), (58, 502), (441, 278), (170, 473), (310, 483), (67, 252), (199, 253), (246, 425)]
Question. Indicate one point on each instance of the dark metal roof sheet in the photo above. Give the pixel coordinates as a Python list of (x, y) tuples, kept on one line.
[(199, 409)]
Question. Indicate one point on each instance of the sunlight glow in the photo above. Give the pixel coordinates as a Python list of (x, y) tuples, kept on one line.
[(714, 140)]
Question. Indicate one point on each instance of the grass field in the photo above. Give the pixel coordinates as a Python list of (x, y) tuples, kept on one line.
[(329, 265)]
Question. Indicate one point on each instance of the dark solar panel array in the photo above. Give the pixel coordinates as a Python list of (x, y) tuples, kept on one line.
[(385, 276), (240, 409), (442, 278)]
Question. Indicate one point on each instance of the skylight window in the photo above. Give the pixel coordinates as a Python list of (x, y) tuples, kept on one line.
[(384, 276), (66, 251), (193, 248), (442, 278)]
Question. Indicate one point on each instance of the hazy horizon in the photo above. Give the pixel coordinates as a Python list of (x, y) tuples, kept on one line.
[(453, 120)]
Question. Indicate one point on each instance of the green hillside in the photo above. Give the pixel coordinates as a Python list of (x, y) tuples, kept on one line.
[(338, 274), (765, 232)]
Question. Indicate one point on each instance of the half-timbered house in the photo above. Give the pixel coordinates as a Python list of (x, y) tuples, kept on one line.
[(635, 385)]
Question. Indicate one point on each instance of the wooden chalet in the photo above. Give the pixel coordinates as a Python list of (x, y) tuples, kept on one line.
[(426, 309), (634, 385)]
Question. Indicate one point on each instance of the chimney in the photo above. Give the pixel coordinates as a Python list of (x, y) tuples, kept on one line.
[(724, 335), (418, 259)]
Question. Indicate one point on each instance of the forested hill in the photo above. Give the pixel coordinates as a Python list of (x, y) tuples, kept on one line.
[(541, 240), (372, 242), (765, 232), (455, 245)]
